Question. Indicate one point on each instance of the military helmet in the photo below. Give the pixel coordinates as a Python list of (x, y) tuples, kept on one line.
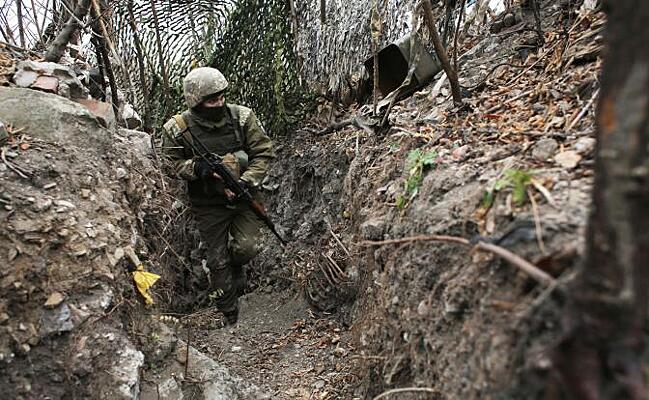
[(202, 82)]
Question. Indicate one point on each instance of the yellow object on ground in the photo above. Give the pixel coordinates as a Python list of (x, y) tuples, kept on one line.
[(144, 280)]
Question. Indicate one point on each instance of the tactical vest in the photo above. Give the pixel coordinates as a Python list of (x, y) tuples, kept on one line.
[(223, 141), (233, 141)]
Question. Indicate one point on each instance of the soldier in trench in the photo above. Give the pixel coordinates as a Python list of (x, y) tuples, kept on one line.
[(228, 228)]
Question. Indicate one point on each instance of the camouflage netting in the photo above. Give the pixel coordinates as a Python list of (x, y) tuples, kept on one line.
[(249, 40), (332, 47)]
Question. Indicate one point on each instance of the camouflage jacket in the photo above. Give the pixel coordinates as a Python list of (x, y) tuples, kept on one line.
[(239, 130)]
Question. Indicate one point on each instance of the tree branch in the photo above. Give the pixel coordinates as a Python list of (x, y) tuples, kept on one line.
[(57, 48), (442, 54)]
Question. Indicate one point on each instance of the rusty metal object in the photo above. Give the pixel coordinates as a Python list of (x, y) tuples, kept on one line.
[(394, 65)]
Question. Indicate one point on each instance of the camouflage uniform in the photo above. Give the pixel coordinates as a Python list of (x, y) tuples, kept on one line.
[(229, 230)]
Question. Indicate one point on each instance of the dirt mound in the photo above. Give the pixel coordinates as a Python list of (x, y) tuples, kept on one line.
[(65, 212)]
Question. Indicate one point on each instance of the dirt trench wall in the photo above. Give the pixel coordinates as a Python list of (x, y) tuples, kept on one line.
[(423, 314), (64, 286)]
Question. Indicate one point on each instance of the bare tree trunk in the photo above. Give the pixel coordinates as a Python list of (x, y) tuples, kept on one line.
[(21, 27), (441, 53), (165, 77), (600, 357), (140, 64), (375, 28), (537, 20), (101, 42), (39, 32), (55, 52), (456, 37)]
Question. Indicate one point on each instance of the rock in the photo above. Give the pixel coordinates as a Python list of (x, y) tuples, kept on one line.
[(57, 320), (169, 390), (48, 84), (585, 146), (461, 153), (24, 78), (22, 226), (49, 185), (217, 382), (544, 149), (101, 110), (53, 118), (4, 317), (3, 133), (121, 173), (140, 141), (64, 204), (126, 372), (54, 300), (51, 77), (568, 159), (42, 205), (373, 229), (130, 118)]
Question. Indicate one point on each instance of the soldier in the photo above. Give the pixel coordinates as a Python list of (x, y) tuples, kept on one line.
[(229, 229)]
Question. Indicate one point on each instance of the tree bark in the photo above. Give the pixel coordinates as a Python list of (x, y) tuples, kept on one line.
[(140, 63), (102, 43), (165, 77), (21, 27), (442, 54), (600, 357), (55, 52)]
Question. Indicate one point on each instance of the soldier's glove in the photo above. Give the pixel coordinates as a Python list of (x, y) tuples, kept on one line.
[(202, 169)]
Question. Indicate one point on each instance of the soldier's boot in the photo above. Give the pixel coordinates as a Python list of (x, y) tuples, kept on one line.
[(239, 279), (231, 317)]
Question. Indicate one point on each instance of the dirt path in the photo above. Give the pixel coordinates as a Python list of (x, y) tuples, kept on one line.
[(282, 347)]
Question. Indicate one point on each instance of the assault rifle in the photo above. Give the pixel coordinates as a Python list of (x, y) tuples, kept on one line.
[(239, 190)]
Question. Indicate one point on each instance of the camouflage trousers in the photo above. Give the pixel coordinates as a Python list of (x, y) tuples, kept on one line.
[(231, 234)]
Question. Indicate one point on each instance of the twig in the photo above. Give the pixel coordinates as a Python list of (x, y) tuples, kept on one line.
[(544, 192), (405, 390), (189, 331), (337, 238), (583, 111), (336, 266), (538, 60), (420, 238), (500, 105), (22, 173), (520, 263), (515, 260), (537, 221)]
